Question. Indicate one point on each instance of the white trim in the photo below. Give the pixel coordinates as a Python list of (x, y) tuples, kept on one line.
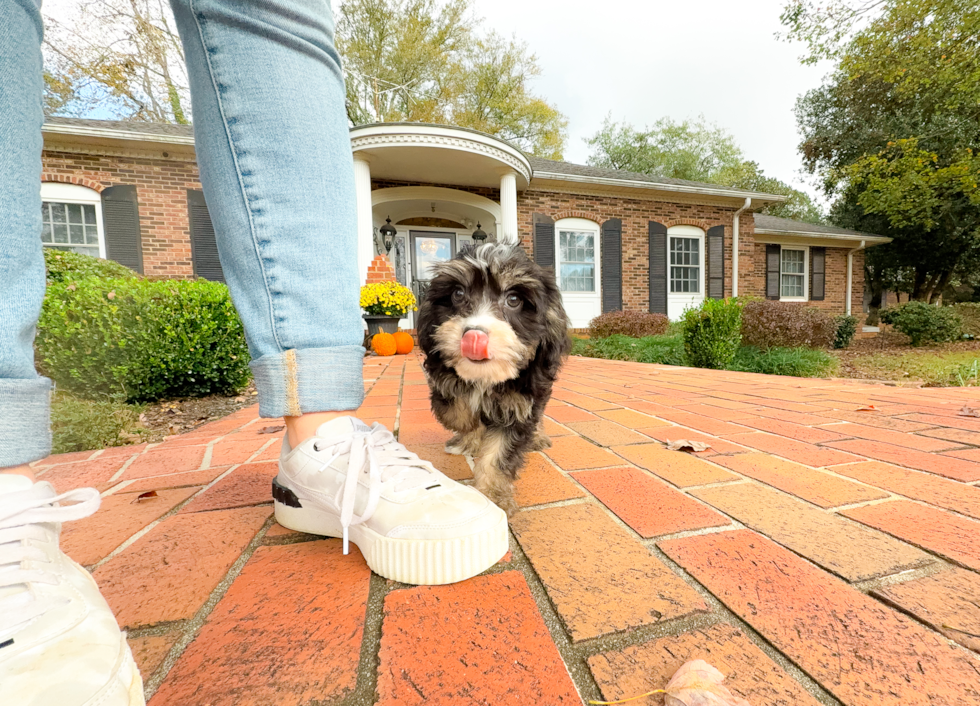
[(56, 192), (679, 188), (435, 193), (109, 133), (857, 237), (806, 273)]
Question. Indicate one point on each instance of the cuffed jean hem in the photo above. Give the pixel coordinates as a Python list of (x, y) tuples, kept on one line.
[(310, 380), (25, 421)]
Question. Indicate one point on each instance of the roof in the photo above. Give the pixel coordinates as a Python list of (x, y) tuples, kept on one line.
[(784, 226), (542, 168)]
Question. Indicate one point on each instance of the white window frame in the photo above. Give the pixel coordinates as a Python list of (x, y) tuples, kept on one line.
[(806, 273), (579, 225), (56, 192)]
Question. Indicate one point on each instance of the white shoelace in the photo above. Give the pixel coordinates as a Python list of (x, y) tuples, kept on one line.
[(21, 515), (386, 461)]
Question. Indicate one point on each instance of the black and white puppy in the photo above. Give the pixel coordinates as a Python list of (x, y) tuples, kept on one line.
[(494, 333)]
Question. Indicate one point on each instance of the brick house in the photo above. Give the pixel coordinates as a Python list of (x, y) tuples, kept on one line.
[(617, 240)]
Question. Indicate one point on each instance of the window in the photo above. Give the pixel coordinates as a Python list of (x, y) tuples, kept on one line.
[(71, 218), (685, 265), (576, 260), (792, 273)]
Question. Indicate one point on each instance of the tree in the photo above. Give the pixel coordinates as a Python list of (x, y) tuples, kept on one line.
[(891, 132), (120, 55), (419, 61), (694, 151)]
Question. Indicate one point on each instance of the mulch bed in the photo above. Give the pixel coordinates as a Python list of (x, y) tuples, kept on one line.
[(163, 419)]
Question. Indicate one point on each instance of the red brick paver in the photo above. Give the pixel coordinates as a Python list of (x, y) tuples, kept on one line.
[(586, 604)]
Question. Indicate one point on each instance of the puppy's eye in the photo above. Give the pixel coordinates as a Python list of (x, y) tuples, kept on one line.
[(513, 301), (458, 295)]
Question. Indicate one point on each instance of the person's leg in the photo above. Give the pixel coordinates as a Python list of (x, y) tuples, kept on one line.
[(277, 172), (59, 642)]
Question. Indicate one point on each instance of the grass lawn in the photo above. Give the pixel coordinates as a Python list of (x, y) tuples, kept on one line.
[(933, 368)]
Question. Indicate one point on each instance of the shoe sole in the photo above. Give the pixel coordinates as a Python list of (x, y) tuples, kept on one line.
[(429, 562)]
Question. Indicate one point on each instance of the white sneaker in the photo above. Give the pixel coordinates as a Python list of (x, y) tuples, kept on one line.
[(411, 523), (59, 642)]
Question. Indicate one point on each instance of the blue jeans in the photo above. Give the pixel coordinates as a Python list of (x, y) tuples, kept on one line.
[(274, 153)]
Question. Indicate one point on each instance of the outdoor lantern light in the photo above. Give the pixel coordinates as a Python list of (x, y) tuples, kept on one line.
[(478, 235), (388, 234)]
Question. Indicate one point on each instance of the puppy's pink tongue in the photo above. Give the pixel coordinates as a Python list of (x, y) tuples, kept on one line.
[(475, 345)]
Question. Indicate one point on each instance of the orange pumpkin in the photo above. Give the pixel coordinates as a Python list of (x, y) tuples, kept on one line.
[(384, 344), (404, 343)]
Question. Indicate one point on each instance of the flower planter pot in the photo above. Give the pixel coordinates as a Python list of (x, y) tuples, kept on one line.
[(381, 324)]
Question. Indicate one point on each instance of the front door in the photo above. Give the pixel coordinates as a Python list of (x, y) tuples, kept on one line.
[(429, 248), (685, 276)]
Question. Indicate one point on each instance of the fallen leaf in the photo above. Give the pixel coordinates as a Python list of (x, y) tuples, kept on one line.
[(969, 412), (272, 430), (687, 445), (72, 287), (869, 408), (696, 683), (110, 296), (148, 495)]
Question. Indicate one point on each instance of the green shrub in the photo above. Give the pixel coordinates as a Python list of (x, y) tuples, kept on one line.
[(666, 350), (83, 425), (140, 340), (846, 326), (66, 266), (636, 324), (924, 322), (798, 362), (969, 312), (773, 324), (712, 333)]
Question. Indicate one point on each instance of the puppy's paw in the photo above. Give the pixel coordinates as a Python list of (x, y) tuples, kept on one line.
[(507, 504), (541, 442), (456, 446)]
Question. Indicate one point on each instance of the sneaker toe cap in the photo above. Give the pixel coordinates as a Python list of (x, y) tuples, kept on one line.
[(463, 512)]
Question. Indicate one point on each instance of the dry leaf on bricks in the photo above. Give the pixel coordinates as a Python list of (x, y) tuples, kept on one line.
[(687, 445), (696, 683)]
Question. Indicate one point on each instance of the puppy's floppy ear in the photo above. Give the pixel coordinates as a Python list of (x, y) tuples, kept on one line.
[(555, 344)]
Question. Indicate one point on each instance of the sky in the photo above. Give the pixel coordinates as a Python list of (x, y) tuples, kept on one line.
[(639, 61)]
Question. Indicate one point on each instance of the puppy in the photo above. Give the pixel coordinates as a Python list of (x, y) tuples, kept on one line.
[(494, 333)]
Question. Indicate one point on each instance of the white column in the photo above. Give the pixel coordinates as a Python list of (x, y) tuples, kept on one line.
[(365, 216), (508, 209)]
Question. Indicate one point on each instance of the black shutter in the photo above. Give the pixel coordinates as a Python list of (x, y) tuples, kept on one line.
[(658, 268), (818, 273), (544, 240), (612, 265), (204, 248), (772, 271), (716, 262), (121, 221)]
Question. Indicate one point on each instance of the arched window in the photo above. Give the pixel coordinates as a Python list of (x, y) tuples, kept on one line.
[(71, 218)]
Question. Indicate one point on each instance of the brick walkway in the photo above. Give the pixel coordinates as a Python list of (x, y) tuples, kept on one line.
[(816, 553)]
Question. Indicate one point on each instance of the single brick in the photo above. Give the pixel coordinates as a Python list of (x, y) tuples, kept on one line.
[(875, 419), (956, 421), (648, 505), (749, 673), (481, 641), (119, 517), (174, 480), (540, 482), (632, 420), (423, 434), (452, 465), (810, 435), (708, 425), (573, 453), (584, 401), (960, 436), (249, 484), (606, 433), (149, 651), (849, 549), (168, 573), (944, 533), (791, 449), (82, 474), (677, 467), (818, 487), (287, 632), (552, 428), (860, 650), (717, 444), (955, 468), (566, 414), (237, 448), (600, 579), (948, 601), (72, 457), (918, 485), (158, 462), (966, 454)]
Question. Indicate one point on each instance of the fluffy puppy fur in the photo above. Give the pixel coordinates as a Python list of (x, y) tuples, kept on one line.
[(494, 405)]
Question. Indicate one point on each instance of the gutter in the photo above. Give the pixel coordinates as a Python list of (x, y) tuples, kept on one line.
[(850, 270), (106, 133), (657, 186), (748, 202)]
